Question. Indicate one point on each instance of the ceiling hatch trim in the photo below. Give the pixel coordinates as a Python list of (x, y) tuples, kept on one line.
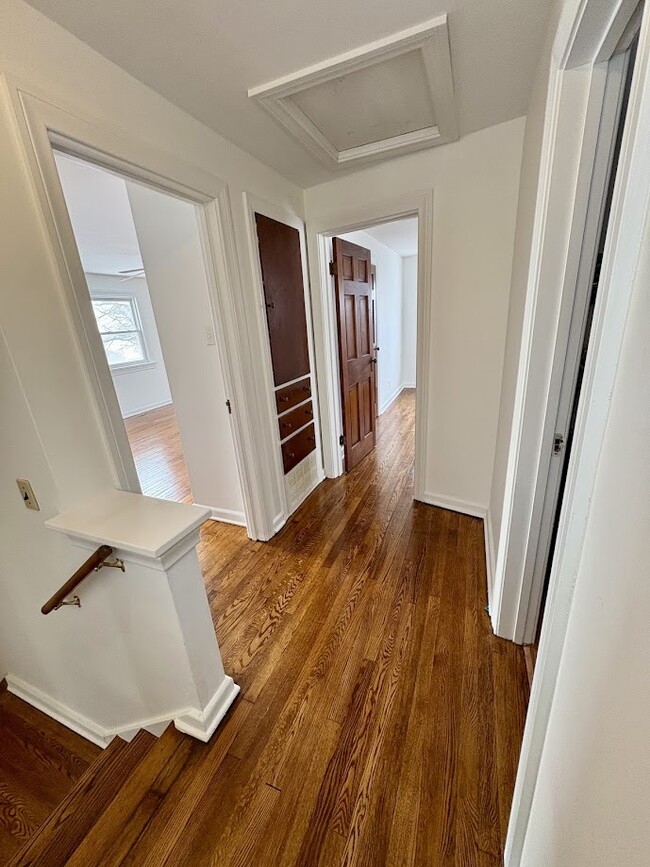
[(430, 40)]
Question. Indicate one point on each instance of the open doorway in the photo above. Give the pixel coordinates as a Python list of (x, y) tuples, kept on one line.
[(375, 285), (142, 257)]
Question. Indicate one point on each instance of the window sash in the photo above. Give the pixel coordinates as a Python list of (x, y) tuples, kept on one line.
[(136, 331)]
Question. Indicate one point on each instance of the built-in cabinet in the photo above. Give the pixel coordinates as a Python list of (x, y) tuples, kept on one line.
[(284, 298)]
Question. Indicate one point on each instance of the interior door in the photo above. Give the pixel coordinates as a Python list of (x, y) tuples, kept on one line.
[(353, 288)]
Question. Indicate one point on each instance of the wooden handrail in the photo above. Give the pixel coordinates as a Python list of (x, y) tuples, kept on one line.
[(93, 562)]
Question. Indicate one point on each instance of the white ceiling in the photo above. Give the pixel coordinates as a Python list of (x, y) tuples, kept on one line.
[(204, 55), (101, 217), (400, 235)]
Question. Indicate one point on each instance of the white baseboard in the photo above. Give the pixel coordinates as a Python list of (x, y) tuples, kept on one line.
[(490, 553), (454, 505), (148, 408), (391, 399), (202, 725), (226, 516), (408, 385), (192, 722), (80, 724)]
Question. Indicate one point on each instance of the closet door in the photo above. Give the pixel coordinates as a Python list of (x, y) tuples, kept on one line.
[(281, 264)]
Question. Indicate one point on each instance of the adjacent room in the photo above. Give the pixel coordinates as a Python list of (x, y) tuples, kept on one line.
[(141, 255)]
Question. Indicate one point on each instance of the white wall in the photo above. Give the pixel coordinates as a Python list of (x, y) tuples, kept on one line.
[(592, 797), (138, 388), (51, 429), (171, 252), (475, 183), (389, 316), (409, 319)]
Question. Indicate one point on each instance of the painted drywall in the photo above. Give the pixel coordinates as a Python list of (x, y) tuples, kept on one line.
[(409, 319), (51, 429), (592, 798), (389, 316), (138, 389), (169, 241), (475, 186)]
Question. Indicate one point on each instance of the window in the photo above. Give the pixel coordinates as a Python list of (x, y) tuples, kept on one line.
[(119, 324)]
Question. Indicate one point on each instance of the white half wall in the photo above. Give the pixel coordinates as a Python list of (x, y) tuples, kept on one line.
[(389, 315), (592, 798), (138, 388), (170, 244), (409, 319), (475, 185)]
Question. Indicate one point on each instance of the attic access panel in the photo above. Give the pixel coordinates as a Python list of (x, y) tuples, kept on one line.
[(389, 97)]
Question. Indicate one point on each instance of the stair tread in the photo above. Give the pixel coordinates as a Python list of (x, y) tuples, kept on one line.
[(63, 831)]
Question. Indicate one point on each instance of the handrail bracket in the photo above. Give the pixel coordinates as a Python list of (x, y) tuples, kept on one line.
[(113, 564)]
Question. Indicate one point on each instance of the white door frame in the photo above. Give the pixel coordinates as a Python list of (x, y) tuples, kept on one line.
[(589, 32), (325, 326), (42, 124)]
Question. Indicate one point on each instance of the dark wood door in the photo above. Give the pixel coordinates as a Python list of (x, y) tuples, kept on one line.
[(353, 287), (284, 295)]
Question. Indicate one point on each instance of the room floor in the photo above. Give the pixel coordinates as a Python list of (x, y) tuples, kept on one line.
[(379, 721), (158, 454)]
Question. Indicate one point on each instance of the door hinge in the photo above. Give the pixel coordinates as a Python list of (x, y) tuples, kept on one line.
[(558, 444), (342, 440), (333, 269), (229, 407)]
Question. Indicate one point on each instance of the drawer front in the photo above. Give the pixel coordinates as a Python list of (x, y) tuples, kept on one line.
[(290, 395), (298, 447), (296, 418)]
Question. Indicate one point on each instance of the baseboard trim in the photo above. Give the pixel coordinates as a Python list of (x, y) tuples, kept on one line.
[(454, 505), (408, 385), (489, 555), (190, 721), (149, 408), (202, 725), (226, 516), (390, 400)]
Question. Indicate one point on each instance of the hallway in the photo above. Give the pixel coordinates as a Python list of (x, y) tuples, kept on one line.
[(379, 721), (158, 454)]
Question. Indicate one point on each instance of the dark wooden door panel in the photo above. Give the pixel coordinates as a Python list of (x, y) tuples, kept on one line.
[(298, 447), (296, 418), (290, 395), (353, 287), (284, 294)]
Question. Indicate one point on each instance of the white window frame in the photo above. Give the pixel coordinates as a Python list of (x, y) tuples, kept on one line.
[(139, 329)]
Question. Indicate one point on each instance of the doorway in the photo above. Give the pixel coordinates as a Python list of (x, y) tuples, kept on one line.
[(375, 287), (142, 258), (608, 150), (408, 212)]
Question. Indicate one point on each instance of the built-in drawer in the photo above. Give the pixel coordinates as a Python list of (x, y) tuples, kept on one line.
[(298, 447), (296, 418), (290, 395)]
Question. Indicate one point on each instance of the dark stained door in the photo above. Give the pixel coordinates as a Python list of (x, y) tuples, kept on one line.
[(284, 295), (353, 287)]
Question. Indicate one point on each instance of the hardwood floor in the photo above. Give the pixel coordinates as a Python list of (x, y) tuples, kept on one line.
[(158, 454), (379, 721), (40, 761)]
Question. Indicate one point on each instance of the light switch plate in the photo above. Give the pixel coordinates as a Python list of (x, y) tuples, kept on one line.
[(27, 493)]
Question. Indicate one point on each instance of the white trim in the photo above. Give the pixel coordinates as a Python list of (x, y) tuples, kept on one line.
[(133, 367), (141, 410), (202, 725), (226, 516), (325, 331), (41, 123), (391, 399), (431, 38), (622, 252), (408, 385), (490, 555), (453, 504)]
